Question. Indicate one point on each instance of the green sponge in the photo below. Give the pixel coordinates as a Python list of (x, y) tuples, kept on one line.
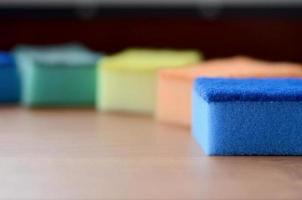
[(127, 80), (63, 75)]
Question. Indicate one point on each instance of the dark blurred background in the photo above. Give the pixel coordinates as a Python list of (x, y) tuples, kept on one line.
[(269, 29)]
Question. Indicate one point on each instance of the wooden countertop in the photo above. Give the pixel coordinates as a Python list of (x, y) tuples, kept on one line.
[(83, 154)]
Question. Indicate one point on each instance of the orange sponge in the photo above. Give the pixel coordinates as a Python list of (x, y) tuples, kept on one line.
[(175, 85)]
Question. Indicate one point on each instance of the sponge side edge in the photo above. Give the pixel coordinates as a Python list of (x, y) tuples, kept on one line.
[(201, 120)]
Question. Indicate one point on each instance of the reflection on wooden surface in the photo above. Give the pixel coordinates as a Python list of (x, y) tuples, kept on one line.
[(84, 154)]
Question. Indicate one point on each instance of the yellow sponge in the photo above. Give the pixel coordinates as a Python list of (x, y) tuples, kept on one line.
[(127, 80)]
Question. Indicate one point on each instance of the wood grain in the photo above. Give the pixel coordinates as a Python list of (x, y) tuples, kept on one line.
[(83, 154)]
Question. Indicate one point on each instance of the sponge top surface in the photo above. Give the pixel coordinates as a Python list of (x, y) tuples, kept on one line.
[(72, 55), (149, 59), (270, 89), (238, 66), (6, 59)]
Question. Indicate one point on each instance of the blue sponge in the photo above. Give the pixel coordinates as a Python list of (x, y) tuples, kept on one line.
[(9, 79), (248, 116)]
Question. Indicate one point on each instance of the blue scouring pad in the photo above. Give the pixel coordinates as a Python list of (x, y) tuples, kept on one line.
[(9, 79), (248, 116)]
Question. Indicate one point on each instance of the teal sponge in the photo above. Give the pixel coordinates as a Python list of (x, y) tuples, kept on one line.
[(63, 75)]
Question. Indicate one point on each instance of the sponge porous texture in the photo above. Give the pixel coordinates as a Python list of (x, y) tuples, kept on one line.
[(247, 125), (270, 89)]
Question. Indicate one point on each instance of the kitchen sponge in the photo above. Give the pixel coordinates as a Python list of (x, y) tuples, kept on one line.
[(63, 75), (177, 83), (248, 116), (9, 79), (127, 80)]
